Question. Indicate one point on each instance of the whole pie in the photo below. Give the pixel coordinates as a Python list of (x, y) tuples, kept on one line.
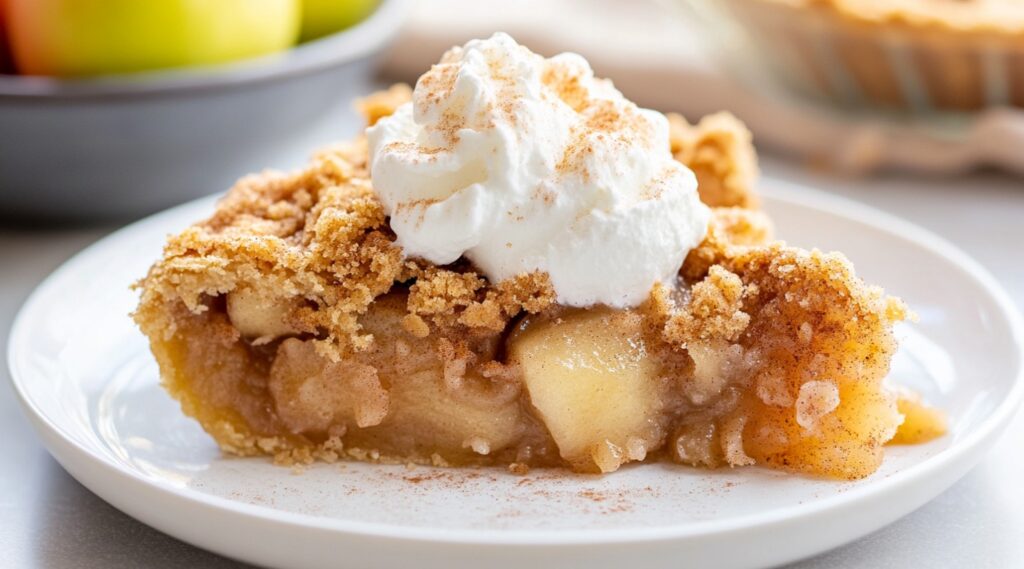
[(480, 280), (924, 55)]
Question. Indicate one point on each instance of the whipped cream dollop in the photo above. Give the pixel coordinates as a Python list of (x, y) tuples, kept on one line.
[(522, 164)]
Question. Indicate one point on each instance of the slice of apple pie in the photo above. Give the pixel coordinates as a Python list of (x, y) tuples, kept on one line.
[(518, 267)]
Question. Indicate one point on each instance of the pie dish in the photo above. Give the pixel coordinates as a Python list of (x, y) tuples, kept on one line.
[(291, 323), (920, 55)]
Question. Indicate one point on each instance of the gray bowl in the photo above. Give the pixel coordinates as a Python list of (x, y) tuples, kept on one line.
[(125, 146)]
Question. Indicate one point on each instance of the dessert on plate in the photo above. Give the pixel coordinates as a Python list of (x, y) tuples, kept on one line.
[(517, 266), (911, 54)]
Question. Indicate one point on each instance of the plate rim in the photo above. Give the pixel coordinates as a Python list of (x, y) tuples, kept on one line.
[(772, 189)]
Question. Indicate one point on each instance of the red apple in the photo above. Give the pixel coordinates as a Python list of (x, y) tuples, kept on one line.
[(97, 37)]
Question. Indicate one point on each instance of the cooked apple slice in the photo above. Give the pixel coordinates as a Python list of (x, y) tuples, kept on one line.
[(397, 398), (313, 394), (258, 314), (593, 385)]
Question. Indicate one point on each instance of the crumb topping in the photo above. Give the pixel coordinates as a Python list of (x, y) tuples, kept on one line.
[(383, 103), (719, 151), (964, 16), (320, 234), (715, 310)]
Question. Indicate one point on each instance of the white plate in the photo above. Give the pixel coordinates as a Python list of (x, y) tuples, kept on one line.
[(86, 379)]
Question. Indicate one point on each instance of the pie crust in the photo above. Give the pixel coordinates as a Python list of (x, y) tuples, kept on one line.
[(920, 55)]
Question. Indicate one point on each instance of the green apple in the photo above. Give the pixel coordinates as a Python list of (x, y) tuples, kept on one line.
[(98, 37), (324, 17)]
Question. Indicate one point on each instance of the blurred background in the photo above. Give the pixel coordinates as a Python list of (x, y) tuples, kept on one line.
[(111, 110)]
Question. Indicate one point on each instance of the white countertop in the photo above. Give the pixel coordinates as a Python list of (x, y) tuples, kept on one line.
[(49, 520)]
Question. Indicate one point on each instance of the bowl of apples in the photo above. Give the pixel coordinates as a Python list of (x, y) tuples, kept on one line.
[(117, 108)]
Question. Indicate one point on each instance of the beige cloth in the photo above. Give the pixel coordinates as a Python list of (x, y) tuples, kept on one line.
[(655, 57)]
